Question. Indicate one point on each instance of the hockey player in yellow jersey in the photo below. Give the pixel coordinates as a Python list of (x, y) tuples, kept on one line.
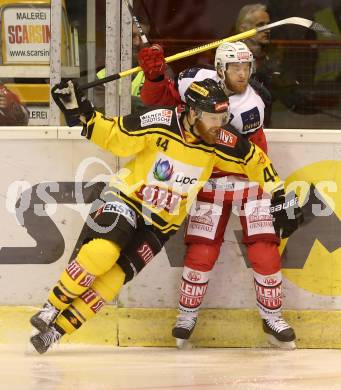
[(175, 152)]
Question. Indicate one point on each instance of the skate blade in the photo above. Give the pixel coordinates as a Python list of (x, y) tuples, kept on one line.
[(288, 345), (30, 350), (183, 344)]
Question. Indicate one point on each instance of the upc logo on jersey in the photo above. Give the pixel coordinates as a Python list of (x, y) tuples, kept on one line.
[(173, 173), (163, 170), (160, 116), (227, 138), (251, 119)]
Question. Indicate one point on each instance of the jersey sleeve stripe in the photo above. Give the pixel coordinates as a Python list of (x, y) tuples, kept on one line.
[(231, 159), (131, 132), (237, 160), (251, 153)]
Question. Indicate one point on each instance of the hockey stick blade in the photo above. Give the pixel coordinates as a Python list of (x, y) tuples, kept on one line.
[(323, 30), (299, 22), (238, 37)]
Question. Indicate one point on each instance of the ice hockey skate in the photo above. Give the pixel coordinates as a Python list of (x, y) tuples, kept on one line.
[(44, 340), (279, 333), (184, 326), (44, 318)]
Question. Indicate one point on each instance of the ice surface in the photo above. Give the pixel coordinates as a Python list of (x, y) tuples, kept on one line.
[(100, 368)]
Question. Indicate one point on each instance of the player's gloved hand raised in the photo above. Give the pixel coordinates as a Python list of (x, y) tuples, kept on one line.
[(72, 102), (286, 213), (152, 61)]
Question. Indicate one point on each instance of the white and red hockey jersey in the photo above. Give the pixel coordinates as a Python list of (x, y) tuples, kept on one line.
[(247, 108)]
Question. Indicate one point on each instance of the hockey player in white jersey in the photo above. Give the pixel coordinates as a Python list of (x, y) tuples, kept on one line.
[(206, 227)]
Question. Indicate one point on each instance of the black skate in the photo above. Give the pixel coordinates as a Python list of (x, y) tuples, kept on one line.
[(44, 340), (45, 317), (184, 326), (279, 333)]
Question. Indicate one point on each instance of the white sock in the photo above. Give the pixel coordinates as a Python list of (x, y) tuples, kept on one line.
[(268, 294)]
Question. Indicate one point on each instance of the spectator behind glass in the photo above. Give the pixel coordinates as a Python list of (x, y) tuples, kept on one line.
[(12, 111), (253, 16), (249, 17), (281, 81), (137, 79)]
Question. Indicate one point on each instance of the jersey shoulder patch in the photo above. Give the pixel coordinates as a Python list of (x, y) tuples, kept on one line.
[(190, 72), (157, 118), (251, 119), (188, 76), (160, 116), (231, 143), (227, 138)]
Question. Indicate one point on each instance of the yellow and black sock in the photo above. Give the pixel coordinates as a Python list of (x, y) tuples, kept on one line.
[(94, 258), (103, 290)]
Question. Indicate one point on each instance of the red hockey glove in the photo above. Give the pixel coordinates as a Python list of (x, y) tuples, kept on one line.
[(152, 61)]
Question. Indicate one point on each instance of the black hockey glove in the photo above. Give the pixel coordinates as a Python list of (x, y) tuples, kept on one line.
[(287, 214), (72, 102)]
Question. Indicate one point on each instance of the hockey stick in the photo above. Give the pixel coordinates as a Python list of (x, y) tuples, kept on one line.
[(244, 35)]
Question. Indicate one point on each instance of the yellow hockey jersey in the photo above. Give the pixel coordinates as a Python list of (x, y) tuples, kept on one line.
[(170, 164)]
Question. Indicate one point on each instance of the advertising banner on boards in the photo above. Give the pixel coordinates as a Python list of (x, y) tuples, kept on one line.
[(46, 198), (26, 34)]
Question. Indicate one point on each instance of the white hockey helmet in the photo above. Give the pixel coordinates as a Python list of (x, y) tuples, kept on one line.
[(234, 52)]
